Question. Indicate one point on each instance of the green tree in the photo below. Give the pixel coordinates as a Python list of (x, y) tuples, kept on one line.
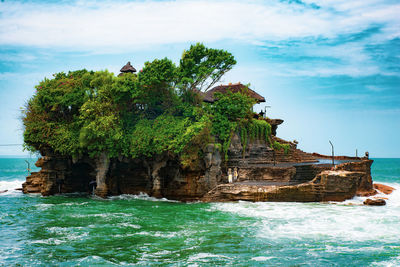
[(50, 116), (154, 92), (158, 111), (201, 67), (101, 127)]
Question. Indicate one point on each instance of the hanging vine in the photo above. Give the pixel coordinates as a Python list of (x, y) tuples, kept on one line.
[(255, 130)]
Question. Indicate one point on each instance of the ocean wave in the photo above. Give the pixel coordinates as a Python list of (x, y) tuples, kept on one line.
[(205, 257), (62, 235), (129, 225), (262, 258), (92, 260), (140, 196), (44, 206), (392, 200), (323, 221), (74, 204), (393, 262), (10, 187)]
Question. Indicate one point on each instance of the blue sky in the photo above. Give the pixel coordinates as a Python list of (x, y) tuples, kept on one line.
[(330, 69)]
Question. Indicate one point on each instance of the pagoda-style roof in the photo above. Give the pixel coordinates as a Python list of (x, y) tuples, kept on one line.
[(128, 68), (234, 88)]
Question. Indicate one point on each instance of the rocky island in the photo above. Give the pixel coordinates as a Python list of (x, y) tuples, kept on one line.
[(169, 131)]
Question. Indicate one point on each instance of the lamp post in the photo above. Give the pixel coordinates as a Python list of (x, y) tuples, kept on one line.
[(265, 110), (333, 154)]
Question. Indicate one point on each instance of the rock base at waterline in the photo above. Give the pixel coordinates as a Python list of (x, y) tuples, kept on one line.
[(375, 202), (326, 186), (384, 188)]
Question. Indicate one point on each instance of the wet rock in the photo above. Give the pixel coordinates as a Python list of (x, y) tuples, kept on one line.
[(375, 202), (384, 188), (326, 186)]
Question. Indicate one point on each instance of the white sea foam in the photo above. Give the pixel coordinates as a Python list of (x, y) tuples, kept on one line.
[(158, 234), (261, 258), (74, 204), (10, 186), (44, 206), (141, 196), (102, 215), (393, 262), (130, 225), (64, 230), (204, 257), (62, 235), (324, 221), (95, 261), (392, 199)]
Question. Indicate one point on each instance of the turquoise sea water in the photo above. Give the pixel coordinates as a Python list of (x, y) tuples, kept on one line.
[(142, 231)]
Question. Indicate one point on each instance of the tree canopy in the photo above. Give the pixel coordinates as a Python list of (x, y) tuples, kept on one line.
[(159, 110)]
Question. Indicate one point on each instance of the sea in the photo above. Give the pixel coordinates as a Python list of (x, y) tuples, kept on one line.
[(138, 230)]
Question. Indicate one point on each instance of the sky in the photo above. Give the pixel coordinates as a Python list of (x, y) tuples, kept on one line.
[(330, 69)]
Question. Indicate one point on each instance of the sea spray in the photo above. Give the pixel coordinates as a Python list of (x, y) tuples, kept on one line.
[(11, 186)]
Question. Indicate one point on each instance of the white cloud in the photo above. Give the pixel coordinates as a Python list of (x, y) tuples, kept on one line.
[(111, 26)]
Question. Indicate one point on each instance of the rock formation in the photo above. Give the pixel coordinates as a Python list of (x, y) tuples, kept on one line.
[(160, 176), (375, 202), (384, 188), (264, 175), (326, 186)]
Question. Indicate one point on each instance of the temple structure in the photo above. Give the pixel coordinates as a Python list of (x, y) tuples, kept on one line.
[(234, 88), (128, 68)]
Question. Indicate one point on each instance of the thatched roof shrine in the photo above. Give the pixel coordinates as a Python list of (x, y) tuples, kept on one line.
[(234, 88), (128, 68)]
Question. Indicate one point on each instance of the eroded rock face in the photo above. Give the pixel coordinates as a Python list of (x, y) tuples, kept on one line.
[(59, 175), (365, 188), (102, 163), (327, 186), (163, 176), (33, 183)]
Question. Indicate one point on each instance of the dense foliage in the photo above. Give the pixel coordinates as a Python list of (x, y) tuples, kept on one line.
[(157, 111)]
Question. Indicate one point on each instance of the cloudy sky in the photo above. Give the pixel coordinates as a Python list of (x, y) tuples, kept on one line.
[(330, 68)]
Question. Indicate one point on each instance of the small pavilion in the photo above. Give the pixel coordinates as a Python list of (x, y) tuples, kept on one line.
[(234, 88), (128, 68)]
